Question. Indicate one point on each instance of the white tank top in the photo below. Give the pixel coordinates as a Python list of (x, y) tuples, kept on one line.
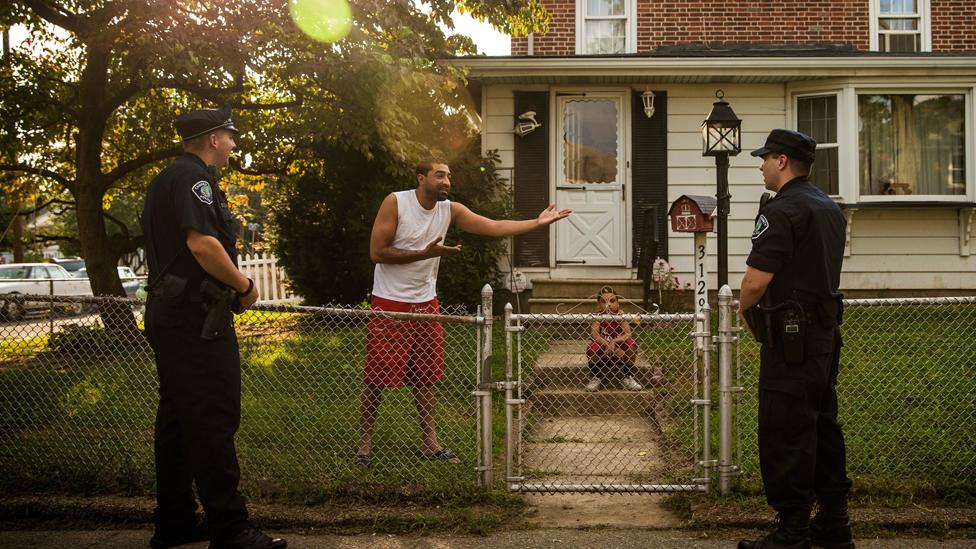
[(416, 228)]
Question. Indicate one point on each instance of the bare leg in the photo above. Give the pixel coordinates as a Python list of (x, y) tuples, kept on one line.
[(426, 400), (369, 404)]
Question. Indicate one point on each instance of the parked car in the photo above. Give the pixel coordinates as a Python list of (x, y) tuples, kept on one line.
[(130, 280), (38, 278), (70, 264)]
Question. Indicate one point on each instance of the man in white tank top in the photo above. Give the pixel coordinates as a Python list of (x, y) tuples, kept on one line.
[(406, 245)]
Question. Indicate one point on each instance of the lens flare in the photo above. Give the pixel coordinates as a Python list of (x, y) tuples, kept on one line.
[(322, 20)]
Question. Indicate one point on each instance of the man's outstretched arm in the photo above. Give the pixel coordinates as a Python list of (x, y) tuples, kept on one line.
[(381, 248), (470, 222)]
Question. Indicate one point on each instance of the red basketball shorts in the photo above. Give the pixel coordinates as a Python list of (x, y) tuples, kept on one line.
[(404, 352)]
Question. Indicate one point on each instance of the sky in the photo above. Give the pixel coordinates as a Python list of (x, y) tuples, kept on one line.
[(488, 40)]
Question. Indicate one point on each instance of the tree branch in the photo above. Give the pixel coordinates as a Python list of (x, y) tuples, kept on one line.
[(267, 106), (54, 238), (214, 94), (45, 205), (124, 228), (24, 168), (236, 165), (129, 166), (66, 20)]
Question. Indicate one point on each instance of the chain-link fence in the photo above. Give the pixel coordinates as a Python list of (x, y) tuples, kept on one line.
[(604, 403), (906, 396), (78, 395)]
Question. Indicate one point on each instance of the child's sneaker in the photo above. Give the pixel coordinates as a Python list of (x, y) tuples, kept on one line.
[(631, 384), (593, 385)]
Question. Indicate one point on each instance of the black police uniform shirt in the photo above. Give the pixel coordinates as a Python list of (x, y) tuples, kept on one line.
[(799, 237), (185, 195)]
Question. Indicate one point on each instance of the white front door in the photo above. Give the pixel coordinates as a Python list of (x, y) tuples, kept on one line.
[(590, 175)]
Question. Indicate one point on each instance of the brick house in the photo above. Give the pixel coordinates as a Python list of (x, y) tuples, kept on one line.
[(886, 87)]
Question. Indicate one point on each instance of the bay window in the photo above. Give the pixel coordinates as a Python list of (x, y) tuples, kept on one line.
[(911, 144)]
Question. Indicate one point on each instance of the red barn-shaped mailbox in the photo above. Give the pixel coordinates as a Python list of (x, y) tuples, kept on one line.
[(692, 213)]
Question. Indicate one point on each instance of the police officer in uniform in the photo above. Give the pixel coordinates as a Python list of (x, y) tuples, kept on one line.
[(190, 244), (792, 305)]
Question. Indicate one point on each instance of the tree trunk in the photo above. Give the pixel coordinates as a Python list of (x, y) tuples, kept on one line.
[(100, 256)]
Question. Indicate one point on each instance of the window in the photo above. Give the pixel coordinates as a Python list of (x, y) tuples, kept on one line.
[(816, 116), (900, 25), (605, 26), (912, 144), (590, 144)]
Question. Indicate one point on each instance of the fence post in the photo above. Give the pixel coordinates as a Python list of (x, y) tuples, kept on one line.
[(725, 339), (50, 312), (485, 387), (509, 446)]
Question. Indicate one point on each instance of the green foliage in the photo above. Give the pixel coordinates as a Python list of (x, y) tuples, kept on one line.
[(89, 99)]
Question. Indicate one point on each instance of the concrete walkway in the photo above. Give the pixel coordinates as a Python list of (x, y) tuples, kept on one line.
[(579, 437)]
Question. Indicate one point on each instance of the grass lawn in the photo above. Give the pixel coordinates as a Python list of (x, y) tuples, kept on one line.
[(82, 423)]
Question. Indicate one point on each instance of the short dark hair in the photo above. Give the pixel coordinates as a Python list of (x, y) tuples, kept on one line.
[(427, 164), (801, 167)]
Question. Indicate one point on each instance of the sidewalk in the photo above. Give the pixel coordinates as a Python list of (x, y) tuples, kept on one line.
[(512, 539)]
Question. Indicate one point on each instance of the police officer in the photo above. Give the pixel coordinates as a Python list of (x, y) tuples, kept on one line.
[(190, 243), (794, 271)]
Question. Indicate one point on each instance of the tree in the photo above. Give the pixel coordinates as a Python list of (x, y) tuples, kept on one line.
[(95, 89)]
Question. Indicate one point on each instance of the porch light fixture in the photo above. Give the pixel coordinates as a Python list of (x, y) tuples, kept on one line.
[(721, 133), (648, 99), (526, 124), (722, 138)]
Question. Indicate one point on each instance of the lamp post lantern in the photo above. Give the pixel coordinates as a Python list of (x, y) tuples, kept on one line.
[(722, 138)]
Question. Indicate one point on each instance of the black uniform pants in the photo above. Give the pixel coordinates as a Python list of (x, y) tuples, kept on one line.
[(198, 415), (801, 446)]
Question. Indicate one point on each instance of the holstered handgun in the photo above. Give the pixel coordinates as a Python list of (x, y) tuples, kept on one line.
[(169, 289), (219, 301)]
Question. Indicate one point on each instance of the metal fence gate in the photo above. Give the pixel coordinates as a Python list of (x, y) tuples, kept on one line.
[(647, 434)]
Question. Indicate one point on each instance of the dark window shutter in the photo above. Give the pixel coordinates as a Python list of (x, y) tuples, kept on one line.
[(531, 179), (650, 172)]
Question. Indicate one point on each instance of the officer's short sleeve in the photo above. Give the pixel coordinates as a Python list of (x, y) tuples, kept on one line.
[(772, 241), (193, 202)]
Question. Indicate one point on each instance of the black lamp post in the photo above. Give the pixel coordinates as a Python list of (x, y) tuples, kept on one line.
[(721, 138)]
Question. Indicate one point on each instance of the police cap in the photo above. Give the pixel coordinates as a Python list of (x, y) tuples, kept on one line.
[(201, 121), (793, 144)]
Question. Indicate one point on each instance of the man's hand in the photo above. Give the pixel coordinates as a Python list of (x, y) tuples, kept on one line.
[(550, 215), (248, 299), (742, 321), (435, 249)]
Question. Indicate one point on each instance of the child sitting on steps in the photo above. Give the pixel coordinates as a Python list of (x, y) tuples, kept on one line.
[(611, 344)]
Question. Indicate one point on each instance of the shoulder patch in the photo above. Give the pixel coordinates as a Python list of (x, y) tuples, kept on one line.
[(761, 225), (203, 192)]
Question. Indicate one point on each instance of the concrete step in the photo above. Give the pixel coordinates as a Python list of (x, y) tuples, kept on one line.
[(585, 289), (578, 402), (595, 429), (590, 462)]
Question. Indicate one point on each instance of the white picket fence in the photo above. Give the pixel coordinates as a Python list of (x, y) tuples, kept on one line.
[(268, 277)]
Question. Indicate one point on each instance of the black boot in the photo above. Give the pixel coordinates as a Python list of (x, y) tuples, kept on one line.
[(792, 532), (164, 538), (831, 526), (249, 538)]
